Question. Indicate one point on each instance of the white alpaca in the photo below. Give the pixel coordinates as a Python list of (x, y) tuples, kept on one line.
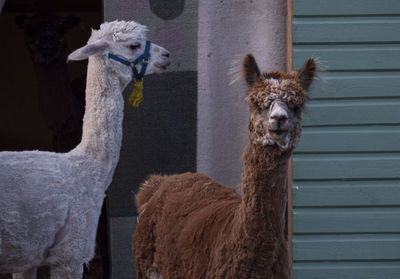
[(50, 202)]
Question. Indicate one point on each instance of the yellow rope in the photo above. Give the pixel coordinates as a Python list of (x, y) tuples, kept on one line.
[(136, 96)]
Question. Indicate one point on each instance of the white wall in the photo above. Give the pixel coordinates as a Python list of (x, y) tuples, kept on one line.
[(227, 31)]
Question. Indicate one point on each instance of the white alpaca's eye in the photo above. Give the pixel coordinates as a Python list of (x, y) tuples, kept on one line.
[(134, 46)]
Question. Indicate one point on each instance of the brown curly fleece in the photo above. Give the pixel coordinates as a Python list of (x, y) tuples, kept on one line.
[(190, 226)]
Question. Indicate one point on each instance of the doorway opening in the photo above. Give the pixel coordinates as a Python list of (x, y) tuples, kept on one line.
[(42, 96)]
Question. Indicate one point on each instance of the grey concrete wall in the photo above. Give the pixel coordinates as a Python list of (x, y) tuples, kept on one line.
[(163, 134), (160, 135), (227, 31)]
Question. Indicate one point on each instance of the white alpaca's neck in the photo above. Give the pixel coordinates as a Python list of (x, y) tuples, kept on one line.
[(102, 122)]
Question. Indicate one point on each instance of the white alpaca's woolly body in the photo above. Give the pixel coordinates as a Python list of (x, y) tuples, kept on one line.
[(50, 202), (49, 193)]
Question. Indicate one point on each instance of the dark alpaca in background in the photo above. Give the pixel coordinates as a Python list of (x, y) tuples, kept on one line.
[(61, 100)]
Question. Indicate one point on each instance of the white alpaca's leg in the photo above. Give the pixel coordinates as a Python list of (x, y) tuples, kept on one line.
[(29, 274)]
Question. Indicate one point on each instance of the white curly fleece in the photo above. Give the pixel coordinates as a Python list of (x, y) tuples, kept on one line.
[(50, 202)]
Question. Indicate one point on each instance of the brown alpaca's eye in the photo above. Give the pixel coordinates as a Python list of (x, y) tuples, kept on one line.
[(135, 46)]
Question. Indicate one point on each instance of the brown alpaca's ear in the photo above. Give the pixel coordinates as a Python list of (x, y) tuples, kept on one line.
[(307, 73), (250, 70)]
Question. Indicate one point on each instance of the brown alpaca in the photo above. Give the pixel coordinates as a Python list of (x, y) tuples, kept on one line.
[(193, 227)]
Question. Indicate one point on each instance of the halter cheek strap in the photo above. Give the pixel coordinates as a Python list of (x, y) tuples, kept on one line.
[(136, 96), (142, 59)]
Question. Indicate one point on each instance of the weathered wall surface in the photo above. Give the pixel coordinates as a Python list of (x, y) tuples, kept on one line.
[(160, 135), (180, 124), (227, 31)]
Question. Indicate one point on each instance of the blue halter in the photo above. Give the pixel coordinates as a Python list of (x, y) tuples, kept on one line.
[(144, 59)]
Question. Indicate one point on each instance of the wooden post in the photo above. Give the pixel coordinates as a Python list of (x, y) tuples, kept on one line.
[(289, 67)]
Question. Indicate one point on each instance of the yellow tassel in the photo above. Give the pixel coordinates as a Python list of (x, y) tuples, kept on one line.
[(136, 96)]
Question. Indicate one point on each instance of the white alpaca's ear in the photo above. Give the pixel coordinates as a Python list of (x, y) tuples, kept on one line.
[(97, 47)]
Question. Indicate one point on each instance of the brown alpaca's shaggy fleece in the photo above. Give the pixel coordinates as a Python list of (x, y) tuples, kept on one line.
[(200, 229), (194, 227), (181, 226), (190, 226)]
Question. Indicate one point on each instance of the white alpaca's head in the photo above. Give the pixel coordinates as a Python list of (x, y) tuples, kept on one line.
[(127, 40)]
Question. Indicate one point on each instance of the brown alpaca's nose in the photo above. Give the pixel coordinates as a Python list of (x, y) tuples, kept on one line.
[(278, 122), (281, 119)]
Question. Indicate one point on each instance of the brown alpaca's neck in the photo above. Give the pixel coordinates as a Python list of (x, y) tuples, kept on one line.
[(264, 185), (261, 225)]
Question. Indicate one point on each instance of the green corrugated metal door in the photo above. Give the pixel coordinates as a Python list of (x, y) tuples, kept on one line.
[(346, 189)]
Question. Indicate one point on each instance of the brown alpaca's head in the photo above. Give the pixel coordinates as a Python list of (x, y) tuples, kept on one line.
[(276, 101)]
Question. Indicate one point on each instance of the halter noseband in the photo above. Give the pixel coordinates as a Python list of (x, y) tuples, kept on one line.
[(144, 59)]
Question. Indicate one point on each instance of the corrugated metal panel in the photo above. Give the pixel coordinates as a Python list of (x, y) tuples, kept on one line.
[(342, 193), (348, 270), (345, 7), (330, 220), (347, 247), (351, 84), (346, 189), (336, 30), (352, 112), (350, 139), (369, 57)]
